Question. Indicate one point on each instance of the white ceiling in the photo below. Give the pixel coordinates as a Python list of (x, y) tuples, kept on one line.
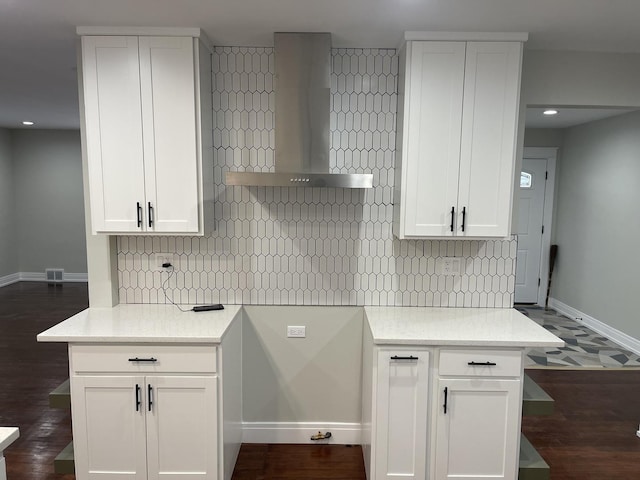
[(37, 49), (569, 116)]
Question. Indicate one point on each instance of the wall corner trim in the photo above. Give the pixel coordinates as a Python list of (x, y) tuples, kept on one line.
[(613, 334)]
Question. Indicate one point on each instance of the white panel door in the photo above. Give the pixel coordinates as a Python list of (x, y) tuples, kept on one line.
[(434, 101), (109, 427), (167, 76), (477, 438), (530, 218), (489, 128), (401, 415), (182, 428), (111, 86)]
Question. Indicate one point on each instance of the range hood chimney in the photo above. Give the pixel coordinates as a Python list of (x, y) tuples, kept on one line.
[(303, 90)]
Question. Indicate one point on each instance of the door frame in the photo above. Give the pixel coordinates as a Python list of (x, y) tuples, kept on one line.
[(550, 154)]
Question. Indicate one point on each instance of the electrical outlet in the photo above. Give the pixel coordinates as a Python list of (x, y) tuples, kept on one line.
[(296, 332), (451, 266), (162, 258)]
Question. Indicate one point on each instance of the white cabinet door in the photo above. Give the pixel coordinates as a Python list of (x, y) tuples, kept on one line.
[(433, 122), (109, 427), (489, 130), (457, 133), (141, 117), (182, 428), (477, 437), (401, 415), (113, 119), (167, 86)]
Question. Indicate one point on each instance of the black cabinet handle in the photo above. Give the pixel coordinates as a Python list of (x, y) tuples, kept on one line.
[(453, 211), (410, 357), (136, 359), (464, 216), (446, 392), (150, 215), (150, 395), (137, 397), (482, 364), (139, 210)]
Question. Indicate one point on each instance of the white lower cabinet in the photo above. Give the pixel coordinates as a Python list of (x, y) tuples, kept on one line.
[(401, 414), (182, 428), (454, 417), (477, 429), (109, 436), (144, 416), (478, 410)]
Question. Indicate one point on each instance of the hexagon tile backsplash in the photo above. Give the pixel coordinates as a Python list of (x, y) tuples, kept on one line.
[(304, 246)]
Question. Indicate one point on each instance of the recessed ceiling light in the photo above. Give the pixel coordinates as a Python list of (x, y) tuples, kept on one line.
[(550, 112), (27, 122)]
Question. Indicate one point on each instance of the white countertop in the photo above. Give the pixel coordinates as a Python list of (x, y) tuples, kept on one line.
[(504, 327), (7, 436), (143, 323), (485, 327)]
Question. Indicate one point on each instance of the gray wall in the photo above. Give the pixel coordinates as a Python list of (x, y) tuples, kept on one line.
[(312, 379), (544, 137), (580, 78), (49, 205), (597, 223), (8, 257)]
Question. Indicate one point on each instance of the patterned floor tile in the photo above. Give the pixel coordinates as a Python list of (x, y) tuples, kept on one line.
[(584, 348)]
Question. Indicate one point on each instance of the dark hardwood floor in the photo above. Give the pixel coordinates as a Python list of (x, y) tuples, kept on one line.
[(591, 436), (308, 462), (30, 370)]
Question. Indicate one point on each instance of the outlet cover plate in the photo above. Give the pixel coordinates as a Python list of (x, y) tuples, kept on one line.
[(451, 266), (161, 258)]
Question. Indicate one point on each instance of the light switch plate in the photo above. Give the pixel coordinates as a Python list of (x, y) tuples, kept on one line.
[(296, 331)]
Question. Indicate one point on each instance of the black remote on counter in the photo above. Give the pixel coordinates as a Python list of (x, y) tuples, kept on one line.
[(206, 308)]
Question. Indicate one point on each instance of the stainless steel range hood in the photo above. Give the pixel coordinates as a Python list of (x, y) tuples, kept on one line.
[(303, 89)]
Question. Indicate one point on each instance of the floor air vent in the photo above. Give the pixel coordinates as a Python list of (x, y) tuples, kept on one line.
[(54, 275)]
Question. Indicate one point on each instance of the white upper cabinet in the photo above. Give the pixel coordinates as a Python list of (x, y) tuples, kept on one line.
[(457, 128), (143, 123)]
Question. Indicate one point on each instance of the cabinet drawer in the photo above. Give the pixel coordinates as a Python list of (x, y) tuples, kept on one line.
[(483, 363), (150, 359)]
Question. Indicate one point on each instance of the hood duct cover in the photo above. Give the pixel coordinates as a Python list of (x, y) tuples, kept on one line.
[(303, 90)]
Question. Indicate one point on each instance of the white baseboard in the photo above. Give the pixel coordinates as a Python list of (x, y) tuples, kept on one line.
[(300, 432), (9, 279), (75, 277), (32, 277), (40, 277), (613, 334)]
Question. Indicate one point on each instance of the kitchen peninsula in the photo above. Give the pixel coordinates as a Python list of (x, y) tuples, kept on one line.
[(156, 390)]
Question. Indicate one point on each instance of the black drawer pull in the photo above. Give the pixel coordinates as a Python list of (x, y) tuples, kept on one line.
[(482, 364), (138, 403), (410, 357), (150, 215), (464, 216), (446, 391), (453, 211), (136, 359), (139, 212), (150, 396)]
